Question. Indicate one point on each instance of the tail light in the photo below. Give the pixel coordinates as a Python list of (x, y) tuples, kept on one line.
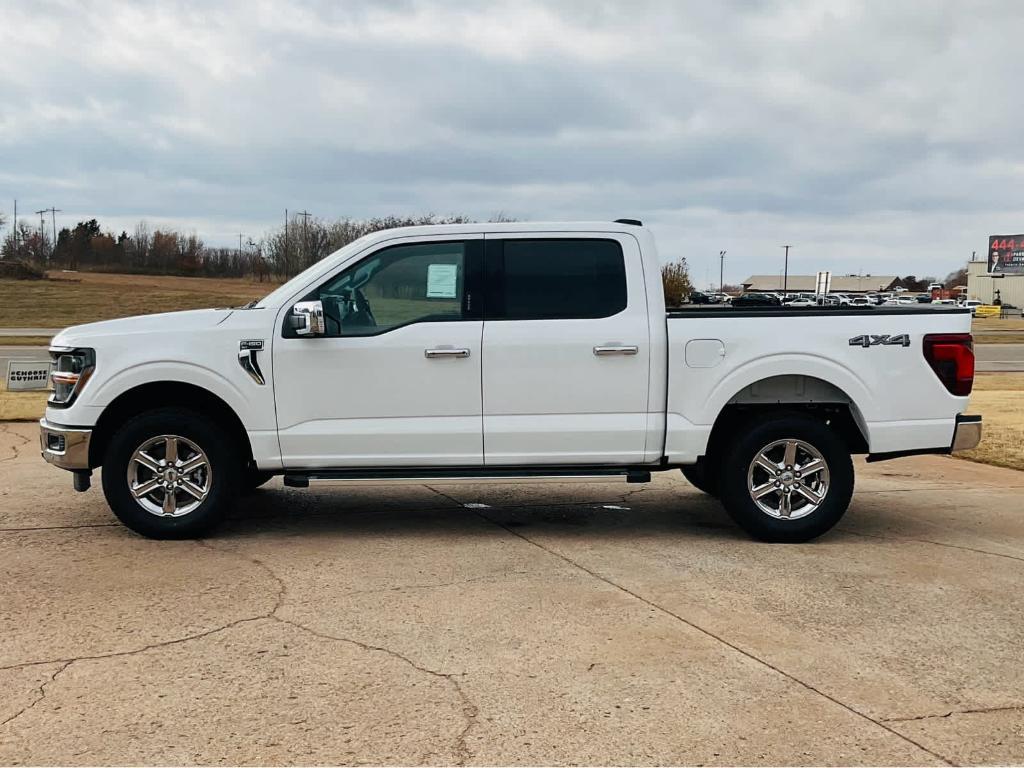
[(951, 356)]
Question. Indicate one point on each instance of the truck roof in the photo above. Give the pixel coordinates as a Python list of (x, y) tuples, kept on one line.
[(487, 227)]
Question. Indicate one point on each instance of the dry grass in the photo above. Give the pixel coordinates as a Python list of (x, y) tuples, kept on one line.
[(24, 341), (982, 324), (21, 406), (999, 398), (83, 297)]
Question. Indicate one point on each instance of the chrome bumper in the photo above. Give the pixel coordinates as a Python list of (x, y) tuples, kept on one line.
[(967, 434), (64, 447)]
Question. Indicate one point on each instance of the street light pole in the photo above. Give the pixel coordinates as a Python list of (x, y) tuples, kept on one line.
[(721, 271), (785, 273)]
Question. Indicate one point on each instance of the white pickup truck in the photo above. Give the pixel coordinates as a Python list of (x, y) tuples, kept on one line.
[(499, 351)]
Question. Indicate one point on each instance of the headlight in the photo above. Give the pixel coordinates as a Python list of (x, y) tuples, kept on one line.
[(72, 369)]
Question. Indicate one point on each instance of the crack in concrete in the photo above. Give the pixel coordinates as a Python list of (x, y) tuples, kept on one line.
[(933, 543), (718, 638), (469, 710), (42, 695), (5, 429), (979, 711)]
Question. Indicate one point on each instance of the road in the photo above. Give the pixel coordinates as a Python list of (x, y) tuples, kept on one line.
[(999, 357), (990, 357), (543, 624)]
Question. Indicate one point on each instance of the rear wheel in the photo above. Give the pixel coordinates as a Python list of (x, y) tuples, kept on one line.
[(170, 473), (788, 479)]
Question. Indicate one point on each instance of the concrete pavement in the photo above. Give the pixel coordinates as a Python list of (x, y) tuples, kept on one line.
[(548, 623)]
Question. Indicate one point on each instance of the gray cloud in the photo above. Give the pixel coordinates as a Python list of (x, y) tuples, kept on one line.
[(875, 137)]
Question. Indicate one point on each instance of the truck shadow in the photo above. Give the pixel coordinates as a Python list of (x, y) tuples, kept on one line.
[(410, 511)]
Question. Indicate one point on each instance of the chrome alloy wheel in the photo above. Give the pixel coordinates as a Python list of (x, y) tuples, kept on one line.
[(169, 476), (788, 479)]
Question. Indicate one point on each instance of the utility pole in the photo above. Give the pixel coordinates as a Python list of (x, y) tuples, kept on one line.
[(721, 271), (42, 224), (239, 246), (14, 231), (785, 273), (53, 220), (287, 266), (305, 240)]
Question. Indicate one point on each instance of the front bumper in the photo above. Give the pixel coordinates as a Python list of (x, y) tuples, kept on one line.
[(967, 434), (64, 447)]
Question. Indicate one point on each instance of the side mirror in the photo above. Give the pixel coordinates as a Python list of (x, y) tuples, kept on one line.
[(308, 318)]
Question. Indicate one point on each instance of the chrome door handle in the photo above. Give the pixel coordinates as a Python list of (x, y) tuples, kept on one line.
[(430, 354), (616, 350)]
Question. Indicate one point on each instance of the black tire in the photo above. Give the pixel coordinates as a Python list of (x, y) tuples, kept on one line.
[(201, 431), (702, 476), (253, 478), (756, 436)]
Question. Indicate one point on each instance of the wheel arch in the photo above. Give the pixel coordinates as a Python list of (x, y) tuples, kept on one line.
[(791, 394), (159, 394)]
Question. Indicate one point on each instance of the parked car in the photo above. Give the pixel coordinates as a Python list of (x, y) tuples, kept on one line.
[(699, 297), (946, 302), (802, 302), (971, 304), (860, 301), (901, 301), (924, 298), (383, 361), (757, 300)]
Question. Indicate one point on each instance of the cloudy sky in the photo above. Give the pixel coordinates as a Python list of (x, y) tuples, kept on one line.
[(882, 136)]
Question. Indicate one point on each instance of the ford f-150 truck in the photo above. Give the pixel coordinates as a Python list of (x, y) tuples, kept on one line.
[(500, 351)]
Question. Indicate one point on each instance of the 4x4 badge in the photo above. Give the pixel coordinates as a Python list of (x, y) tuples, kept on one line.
[(873, 340)]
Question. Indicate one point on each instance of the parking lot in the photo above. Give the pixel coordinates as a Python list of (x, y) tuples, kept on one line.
[(545, 623)]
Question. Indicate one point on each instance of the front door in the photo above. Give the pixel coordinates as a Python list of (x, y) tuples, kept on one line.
[(566, 362), (396, 379)]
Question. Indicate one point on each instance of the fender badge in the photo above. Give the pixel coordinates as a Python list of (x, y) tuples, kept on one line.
[(253, 344)]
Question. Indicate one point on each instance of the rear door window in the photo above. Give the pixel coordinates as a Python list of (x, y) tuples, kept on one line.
[(553, 279)]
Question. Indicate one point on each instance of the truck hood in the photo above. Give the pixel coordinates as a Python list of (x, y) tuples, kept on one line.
[(192, 320)]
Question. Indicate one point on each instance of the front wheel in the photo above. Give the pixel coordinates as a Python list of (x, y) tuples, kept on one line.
[(170, 473), (788, 479)]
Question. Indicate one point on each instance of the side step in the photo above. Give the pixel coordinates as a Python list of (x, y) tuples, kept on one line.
[(468, 475)]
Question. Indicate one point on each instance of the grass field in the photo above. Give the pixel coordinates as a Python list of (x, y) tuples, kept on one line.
[(84, 297), (999, 398)]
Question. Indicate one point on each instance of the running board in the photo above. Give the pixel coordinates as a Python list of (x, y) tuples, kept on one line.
[(467, 475)]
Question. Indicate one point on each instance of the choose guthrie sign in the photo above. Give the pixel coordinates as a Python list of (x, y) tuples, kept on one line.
[(1006, 254)]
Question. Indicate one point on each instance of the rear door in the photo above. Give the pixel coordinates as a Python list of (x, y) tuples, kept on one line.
[(566, 350)]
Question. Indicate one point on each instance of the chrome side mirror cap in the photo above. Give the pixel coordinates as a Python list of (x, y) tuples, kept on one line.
[(308, 318)]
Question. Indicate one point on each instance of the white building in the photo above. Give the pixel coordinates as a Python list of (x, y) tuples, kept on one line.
[(983, 286)]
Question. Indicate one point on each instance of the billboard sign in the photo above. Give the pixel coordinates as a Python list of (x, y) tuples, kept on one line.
[(823, 283), (1006, 254)]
